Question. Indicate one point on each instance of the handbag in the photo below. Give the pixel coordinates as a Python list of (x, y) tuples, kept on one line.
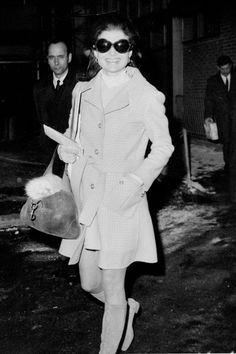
[(50, 208), (211, 130)]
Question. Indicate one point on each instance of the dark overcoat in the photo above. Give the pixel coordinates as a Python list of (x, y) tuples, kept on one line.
[(53, 109), (220, 104)]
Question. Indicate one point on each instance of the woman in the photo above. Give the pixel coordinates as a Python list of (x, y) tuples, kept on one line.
[(119, 112)]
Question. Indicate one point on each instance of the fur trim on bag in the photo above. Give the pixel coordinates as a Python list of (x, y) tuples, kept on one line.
[(43, 186)]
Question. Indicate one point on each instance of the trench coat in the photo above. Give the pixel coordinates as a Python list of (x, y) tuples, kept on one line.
[(110, 180)]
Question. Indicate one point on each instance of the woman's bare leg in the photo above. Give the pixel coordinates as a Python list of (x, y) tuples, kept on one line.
[(108, 287), (91, 274)]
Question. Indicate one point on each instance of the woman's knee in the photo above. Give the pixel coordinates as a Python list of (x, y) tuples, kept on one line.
[(90, 285), (90, 273)]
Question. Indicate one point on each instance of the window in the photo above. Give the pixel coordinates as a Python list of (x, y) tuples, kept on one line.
[(158, 37), (200, 26)]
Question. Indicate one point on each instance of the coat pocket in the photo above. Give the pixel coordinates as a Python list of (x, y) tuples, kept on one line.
[(122, 193)]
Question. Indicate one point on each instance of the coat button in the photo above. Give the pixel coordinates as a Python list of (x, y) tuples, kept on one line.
[(142, 194), (96, 151), (99, 125), (92, 186)]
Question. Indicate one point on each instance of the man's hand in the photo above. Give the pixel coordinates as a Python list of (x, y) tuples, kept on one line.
[(209, 120)]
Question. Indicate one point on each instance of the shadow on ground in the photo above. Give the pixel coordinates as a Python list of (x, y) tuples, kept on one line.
[(188, 300)]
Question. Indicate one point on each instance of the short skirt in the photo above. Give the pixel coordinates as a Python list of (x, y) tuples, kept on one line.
[(120, 238)]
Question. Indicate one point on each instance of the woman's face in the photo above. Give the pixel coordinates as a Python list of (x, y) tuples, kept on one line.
[(113, 62)]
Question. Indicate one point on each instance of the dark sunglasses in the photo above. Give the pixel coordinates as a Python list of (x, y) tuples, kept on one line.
[(121, 46)]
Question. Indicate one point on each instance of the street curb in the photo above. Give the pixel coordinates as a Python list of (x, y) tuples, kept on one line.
[(11, 221), (24, 162)]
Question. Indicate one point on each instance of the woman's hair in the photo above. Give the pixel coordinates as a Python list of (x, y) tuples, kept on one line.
[(111, 22)]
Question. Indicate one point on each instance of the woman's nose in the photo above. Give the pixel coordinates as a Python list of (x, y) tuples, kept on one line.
[(112, 50)]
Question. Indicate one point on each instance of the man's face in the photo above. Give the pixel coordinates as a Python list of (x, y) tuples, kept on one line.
[(225, 69), (58, 58)]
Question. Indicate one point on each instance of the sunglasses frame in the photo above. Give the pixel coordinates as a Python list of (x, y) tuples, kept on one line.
[(114, 45)]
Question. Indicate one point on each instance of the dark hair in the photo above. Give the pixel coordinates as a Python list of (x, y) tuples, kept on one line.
[(56, 40), (109, 22), (224, 60)]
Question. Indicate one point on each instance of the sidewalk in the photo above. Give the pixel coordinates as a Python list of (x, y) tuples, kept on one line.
[(188, 299), (21, 163)]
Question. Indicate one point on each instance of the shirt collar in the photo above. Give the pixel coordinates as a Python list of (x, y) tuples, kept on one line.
[(62, 78), (224, 77)]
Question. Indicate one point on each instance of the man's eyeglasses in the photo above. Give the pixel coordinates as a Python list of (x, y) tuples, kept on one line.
[(121, 46)]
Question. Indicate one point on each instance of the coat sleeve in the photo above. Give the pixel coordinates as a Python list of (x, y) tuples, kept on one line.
[(36, 103), (157, 130), (209, 101)]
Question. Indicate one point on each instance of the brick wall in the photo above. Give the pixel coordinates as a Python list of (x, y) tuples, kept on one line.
[(199, 60)]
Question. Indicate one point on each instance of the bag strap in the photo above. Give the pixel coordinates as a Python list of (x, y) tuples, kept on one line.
[(49, 167), (76, 124)]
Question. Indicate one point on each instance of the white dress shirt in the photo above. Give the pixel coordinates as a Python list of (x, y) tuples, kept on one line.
[(61, 79), (228, 77)]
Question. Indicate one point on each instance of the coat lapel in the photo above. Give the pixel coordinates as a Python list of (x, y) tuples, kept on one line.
[(221, 83), (92, 94), (127, 95), (118, 103)]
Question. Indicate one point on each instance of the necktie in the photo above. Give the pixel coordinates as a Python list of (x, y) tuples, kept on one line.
[(58, 85), (227, 84)]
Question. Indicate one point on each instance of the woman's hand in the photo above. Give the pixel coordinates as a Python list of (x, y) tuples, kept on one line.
[(123, 192), (68, 154)]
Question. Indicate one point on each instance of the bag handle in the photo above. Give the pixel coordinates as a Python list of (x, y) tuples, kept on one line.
[(77, 123), (49, 167)]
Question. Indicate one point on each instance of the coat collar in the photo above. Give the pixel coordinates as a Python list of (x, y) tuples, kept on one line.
[(92, 91)]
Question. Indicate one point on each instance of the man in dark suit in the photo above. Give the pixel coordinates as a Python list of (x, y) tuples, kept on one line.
[(53, 99), (220, 99), (53, 96)]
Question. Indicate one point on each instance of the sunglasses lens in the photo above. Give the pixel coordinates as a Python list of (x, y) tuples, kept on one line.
[(102, 45), (122, 46)]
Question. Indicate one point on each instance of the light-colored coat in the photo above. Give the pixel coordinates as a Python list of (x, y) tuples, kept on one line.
[(113, 203)]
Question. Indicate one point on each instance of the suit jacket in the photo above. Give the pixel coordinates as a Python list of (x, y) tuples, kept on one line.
[(115, 141), (219, 103), (53, 109)]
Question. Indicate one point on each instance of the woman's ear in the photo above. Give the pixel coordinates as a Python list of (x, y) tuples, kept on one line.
[(130, 53), (69, 57), (95, 53)]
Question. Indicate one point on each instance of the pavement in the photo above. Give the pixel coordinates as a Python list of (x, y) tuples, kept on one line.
[(188, 299), (21, 162)]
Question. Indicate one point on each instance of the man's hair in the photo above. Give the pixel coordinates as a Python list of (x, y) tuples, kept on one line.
[(56, 40), (224, 60)]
